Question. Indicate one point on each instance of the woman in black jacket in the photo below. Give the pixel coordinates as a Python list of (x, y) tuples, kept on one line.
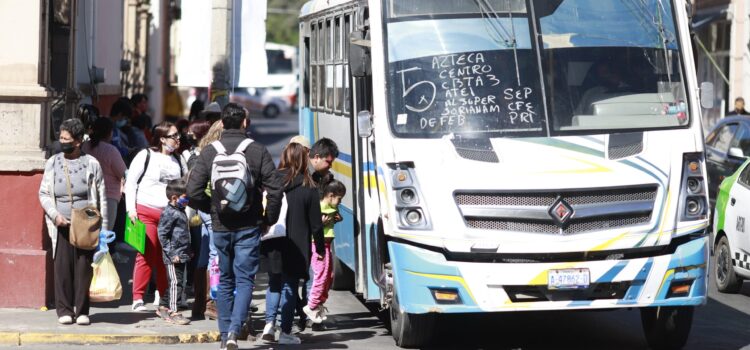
[(289, 256)]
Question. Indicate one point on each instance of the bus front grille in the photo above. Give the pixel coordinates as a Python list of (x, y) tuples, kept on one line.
[(592, 210)]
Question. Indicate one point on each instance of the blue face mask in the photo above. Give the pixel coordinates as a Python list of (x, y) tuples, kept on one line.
[(182, 202), (120, 123)]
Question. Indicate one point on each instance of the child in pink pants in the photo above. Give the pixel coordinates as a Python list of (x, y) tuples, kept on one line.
[(331, 196)]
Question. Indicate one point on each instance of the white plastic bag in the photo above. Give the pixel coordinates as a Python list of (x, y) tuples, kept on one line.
[(105, 285)]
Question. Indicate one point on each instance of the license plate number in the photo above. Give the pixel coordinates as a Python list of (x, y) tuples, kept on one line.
[(568, 279)]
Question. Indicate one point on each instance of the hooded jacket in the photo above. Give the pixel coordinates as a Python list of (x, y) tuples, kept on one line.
[(291, 255)]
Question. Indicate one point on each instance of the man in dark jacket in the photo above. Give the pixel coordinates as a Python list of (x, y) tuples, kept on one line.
[(237, 236)]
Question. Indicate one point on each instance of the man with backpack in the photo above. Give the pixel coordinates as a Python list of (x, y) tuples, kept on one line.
[(235, 169)]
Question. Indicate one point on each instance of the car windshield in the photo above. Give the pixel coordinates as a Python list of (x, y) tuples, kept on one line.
[(473, 67)]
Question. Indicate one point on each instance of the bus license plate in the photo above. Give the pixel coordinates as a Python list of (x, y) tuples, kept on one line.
[(568, 279)]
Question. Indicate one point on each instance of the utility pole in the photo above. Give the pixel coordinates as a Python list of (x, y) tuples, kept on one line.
[(71, 94), (221, 51)]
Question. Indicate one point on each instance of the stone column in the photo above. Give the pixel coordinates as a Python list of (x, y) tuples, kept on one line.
[(25, 271)]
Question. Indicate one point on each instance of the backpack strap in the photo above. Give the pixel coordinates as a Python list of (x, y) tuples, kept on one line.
[(219, 147), (243, 145)]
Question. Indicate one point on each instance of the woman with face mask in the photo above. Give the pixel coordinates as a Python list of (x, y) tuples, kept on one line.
[(145, 199), (71, 180)]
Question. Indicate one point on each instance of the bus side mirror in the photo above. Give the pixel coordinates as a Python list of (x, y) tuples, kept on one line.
[(707, 95), (364, 124), (359, 54), (736, 152)]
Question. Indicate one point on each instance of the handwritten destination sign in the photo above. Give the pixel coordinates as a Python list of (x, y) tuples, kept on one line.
[(472, 91)]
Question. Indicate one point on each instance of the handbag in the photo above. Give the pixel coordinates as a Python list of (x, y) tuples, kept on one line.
[(278, 229), (85, 223), (105, 284)]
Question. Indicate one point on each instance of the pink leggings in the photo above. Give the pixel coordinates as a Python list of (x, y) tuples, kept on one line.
[(322, 277)]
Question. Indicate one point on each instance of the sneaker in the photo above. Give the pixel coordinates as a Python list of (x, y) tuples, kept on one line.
[(323, 312), (156, 298), (163, 313), (139, 306), (232, 341), (179, 319), (65, 320), (223, 345), (313, 314), (286, 338), (269, 333), (83, 320)]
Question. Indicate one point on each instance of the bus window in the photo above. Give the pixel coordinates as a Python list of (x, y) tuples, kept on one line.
[(312, 65), (329, 67), (321, 65)]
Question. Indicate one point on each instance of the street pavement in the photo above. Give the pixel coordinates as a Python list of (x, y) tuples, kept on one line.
[(723, 323)]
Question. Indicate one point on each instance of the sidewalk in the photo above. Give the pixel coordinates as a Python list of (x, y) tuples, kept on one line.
[(111, 323)]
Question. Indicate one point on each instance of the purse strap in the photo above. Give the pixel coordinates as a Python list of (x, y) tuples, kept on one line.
[(67, 181)]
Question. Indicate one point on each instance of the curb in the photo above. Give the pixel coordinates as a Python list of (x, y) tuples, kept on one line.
[(18, 339)]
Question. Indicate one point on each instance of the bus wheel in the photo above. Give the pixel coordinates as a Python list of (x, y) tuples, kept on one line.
[(271, 111), (726, 280), (343, 276), (667, 327), (410, 330)]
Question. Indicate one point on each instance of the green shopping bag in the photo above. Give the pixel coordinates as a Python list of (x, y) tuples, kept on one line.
[(135, 234)]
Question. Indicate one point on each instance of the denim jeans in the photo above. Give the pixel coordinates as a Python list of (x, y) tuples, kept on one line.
[(281, 289), (208, 249), (238, 253)]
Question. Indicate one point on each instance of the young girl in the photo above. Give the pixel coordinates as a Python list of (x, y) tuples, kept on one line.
[(289, 256), (331, 196)]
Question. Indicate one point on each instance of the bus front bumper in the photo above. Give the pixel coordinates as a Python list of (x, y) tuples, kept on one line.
[(422, 276)]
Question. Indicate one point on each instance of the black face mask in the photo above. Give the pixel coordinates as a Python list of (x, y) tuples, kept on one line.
[(67, 147)]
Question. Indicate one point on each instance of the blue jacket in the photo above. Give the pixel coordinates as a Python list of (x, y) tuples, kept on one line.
[(174, 234)]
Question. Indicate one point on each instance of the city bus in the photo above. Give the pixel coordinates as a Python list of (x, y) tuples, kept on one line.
[(512, 155)]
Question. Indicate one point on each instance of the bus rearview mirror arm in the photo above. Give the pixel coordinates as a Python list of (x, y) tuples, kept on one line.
[(364, 124), (707, 95)]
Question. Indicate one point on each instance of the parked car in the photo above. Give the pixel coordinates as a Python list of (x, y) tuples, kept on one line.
[(729, 239), (727, 145), (270, 101)]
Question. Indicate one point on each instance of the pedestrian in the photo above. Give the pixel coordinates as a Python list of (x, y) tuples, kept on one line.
[(141, 119), (321, 156), (237, 215), (71, 180), (145, 198), (289, 256), (120, 113), (212, 113), (174, 237), (199, 243), (113, 168), (331, 196), (739, 107), (196, 111), (209, 259)]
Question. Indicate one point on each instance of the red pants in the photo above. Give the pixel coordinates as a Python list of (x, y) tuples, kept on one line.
[(152, 259), (322, 277)]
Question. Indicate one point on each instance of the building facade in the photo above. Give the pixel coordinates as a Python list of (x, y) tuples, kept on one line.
[(58, 54)]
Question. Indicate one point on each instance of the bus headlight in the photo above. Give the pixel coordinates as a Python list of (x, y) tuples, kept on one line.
[(693, 203), (410, 208)]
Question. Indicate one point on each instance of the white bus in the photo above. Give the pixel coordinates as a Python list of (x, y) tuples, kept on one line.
[(512, 155)]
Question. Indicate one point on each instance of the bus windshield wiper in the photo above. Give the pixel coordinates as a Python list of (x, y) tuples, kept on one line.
[(488, 13)]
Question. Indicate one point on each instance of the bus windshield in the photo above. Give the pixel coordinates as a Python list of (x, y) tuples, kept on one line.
[(473, 67)]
